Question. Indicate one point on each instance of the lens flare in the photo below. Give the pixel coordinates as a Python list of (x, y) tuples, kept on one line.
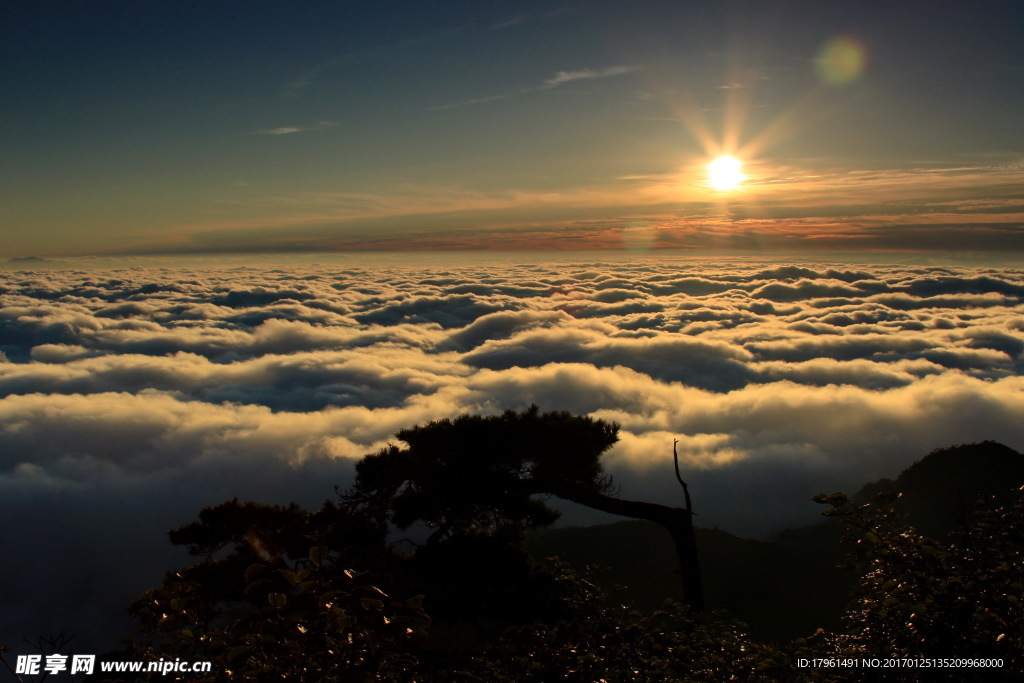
[(841, 61)]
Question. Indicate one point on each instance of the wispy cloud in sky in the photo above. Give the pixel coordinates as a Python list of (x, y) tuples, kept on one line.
[(559, 79), (291, 130), (563, 77), (510, 22)]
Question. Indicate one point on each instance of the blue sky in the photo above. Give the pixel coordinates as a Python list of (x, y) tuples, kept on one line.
[(164, 127)]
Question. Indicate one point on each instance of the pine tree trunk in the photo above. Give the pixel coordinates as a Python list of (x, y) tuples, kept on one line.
[(677, 521), (685, 541)]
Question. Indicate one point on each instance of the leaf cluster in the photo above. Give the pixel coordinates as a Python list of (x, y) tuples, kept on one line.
[(283, 593), (482, 474), (599, 640), (919, 597)]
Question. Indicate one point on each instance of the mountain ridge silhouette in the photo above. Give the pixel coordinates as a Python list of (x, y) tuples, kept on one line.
[(790, 585)]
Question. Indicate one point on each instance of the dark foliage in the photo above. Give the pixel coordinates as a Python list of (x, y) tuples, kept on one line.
[(488, 475), (597, 639), (764, 584), (283, 594), (477, 474), (921, 598), (287, 594)]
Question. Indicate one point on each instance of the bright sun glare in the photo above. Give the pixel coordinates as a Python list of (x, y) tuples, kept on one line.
[(724, 173)]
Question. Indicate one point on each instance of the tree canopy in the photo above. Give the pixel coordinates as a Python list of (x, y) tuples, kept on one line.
[(489, 474), (482, 474)]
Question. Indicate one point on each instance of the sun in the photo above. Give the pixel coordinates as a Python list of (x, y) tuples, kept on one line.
[(724, 173)]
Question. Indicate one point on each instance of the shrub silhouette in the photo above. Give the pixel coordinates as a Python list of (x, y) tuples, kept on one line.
[(283, 593), (918, 597)]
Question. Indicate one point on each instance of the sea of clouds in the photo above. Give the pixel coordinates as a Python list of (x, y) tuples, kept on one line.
[(133, 396)]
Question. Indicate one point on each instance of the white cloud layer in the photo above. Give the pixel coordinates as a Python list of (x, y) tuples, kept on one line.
[(132, 397)]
